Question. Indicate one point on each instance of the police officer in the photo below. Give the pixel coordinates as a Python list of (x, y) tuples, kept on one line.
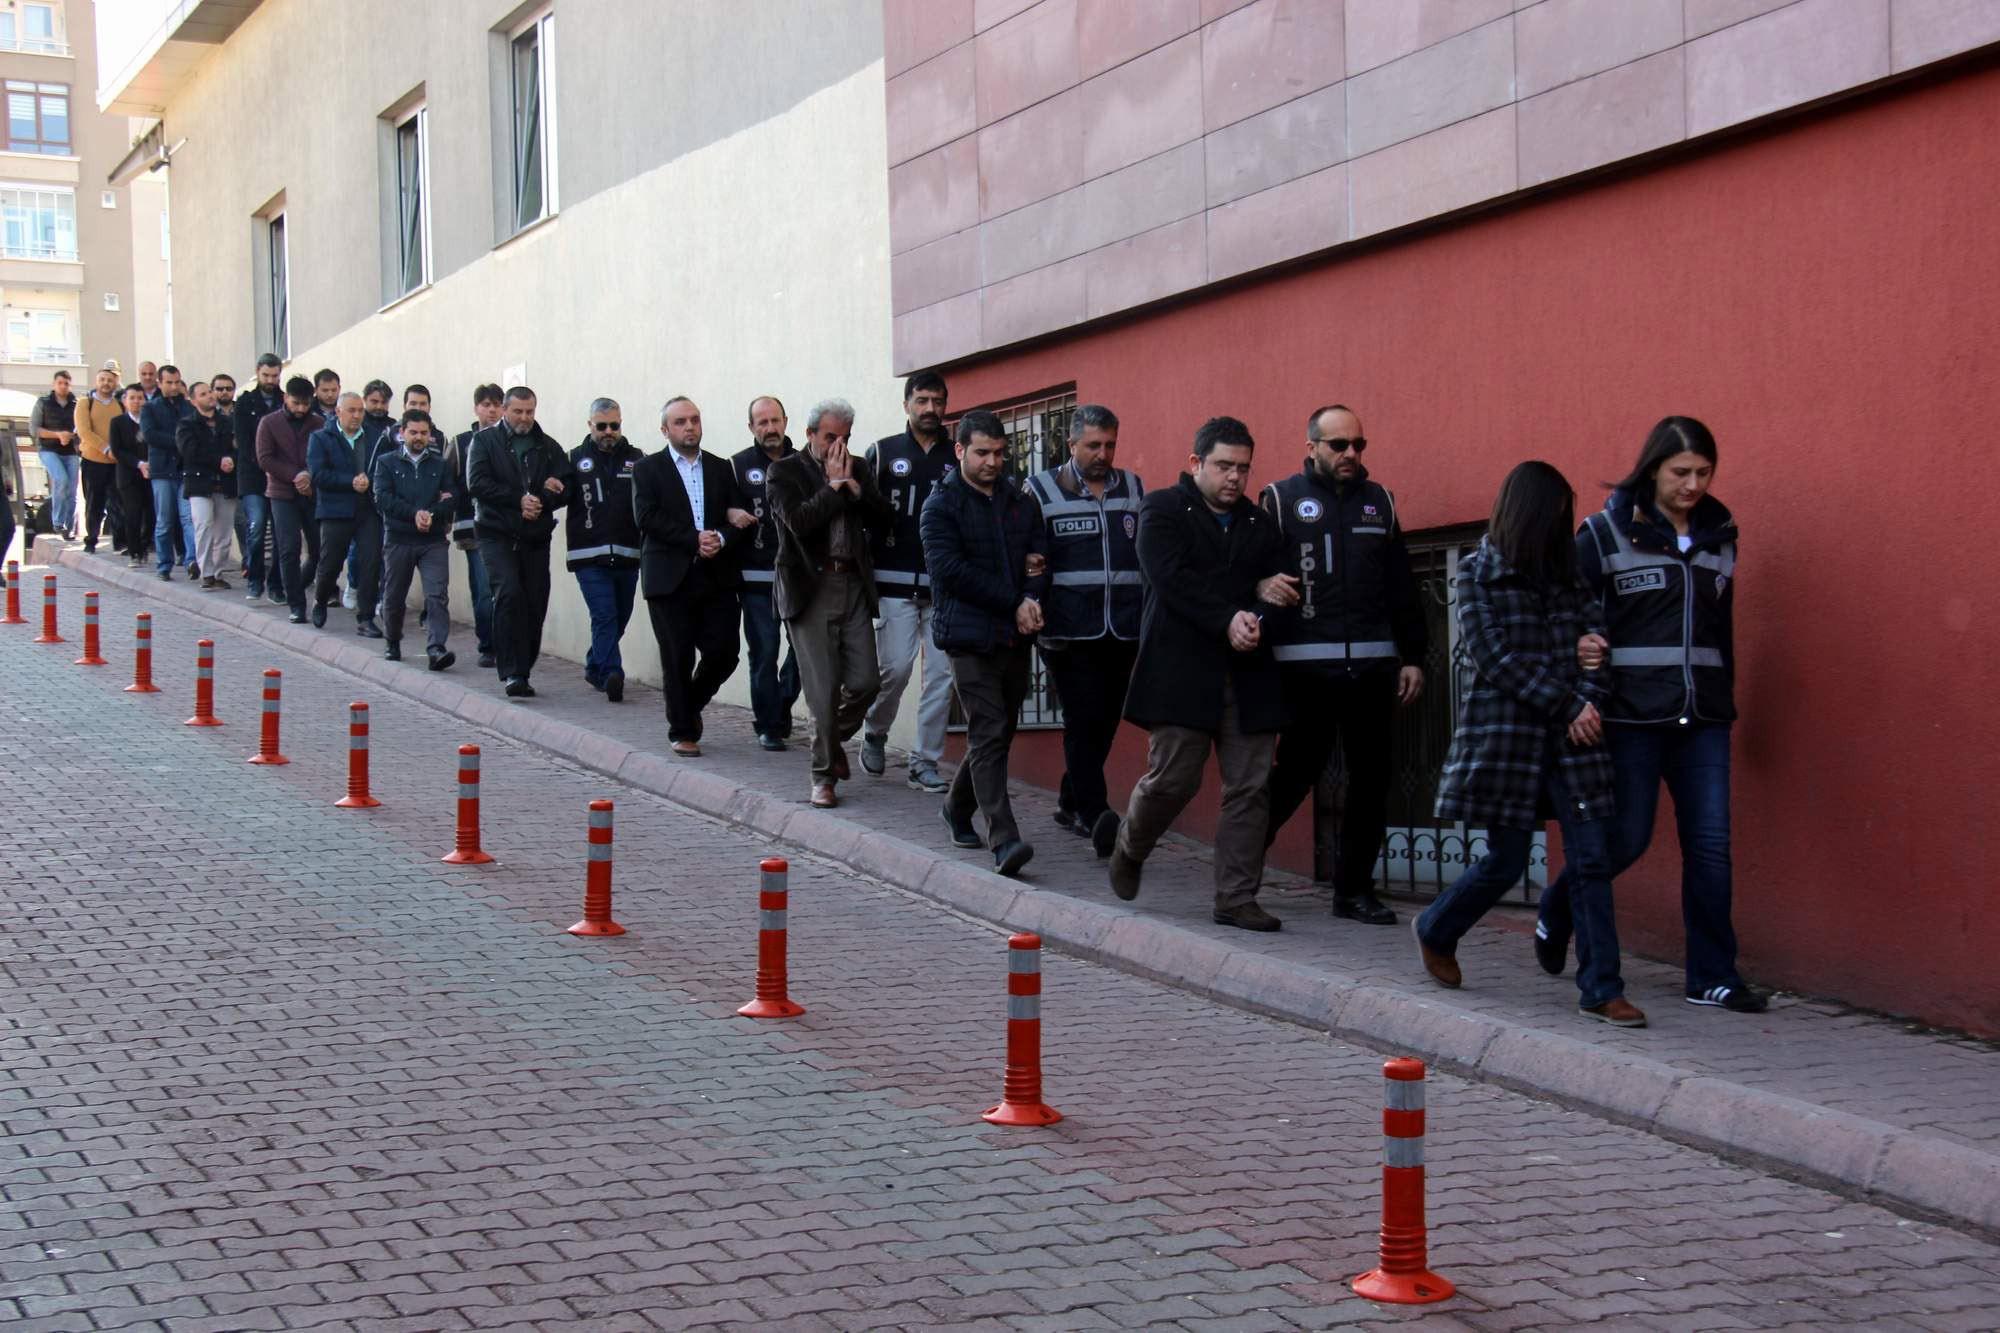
[(604, 541), (1091, 610), (773, 689), (1349, 643), (909, 466)]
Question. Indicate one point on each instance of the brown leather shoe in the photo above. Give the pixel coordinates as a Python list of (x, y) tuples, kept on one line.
[(687, 749), (1442, 967), (823, 797), (1125, 874), (1619, 1013), (1246, 916), (841, 772)]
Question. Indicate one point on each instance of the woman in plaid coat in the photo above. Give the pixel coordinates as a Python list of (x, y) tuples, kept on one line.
[(1530, 743)]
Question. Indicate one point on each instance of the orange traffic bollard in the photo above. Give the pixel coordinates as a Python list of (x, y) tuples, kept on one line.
[(465, 851), (91, 656), (772, 896), (357, 797), (204, 686), (1021, 1092), (267, 735), (597, 879), (1404, 1277), (13, 616), (48, 634), (142, 657)]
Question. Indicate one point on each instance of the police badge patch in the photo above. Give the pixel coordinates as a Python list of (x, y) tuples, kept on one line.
[(1131, 526), (1307, 509), (756, 475), (585, 464), (901, 467)]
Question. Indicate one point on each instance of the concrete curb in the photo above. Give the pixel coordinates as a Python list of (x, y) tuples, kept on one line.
[(1848, 1154)]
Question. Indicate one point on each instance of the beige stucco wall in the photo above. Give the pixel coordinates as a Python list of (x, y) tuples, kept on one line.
[(753, 261)]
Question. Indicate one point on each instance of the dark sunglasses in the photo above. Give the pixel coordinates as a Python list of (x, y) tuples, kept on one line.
[(599, 427), (1340, 446)]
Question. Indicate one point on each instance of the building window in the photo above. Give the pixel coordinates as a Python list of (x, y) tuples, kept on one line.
[(37, 223), (37, 117), (33, 31), (531, 66), (39, 337), (111, 300), (281, 284), (108, 198), (413, 213)]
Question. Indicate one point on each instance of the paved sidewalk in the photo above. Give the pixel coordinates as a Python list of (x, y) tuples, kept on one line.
[(271, 1065), (1874, 1107)]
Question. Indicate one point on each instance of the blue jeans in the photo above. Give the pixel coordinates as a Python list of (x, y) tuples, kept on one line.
[(65, 474), (1694, 760), (1586, 845), (169, 537), (608, 593), (481, 588), (255, 511), (773, 688)]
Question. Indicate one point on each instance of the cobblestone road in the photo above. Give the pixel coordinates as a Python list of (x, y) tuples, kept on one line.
[(269, 1065)]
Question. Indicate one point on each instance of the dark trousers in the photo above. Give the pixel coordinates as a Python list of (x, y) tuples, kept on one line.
[(364, 533), (693, 624), (773, 689), (990, 689), (432, 562), (99, 480), (607, 593), (1090, 679), (520, 575), (480, 588), (135, 513), (1329, 708), (1694, 760), (253, 513), (1587, 843), (293, 522)]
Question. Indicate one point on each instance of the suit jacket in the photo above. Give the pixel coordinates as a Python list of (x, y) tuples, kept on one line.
[(668, 559), (804, 505)]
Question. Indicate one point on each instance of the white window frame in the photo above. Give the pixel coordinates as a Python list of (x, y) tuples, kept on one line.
[(543, 24), (54, 195), (278, 263), (420, 115)]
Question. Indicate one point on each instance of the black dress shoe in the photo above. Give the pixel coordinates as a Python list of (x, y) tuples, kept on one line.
[(1551, 951), (487, 661), (518, 688), (614, 687), (766, 741), (368, 629), (394, 652), (1009, 857), (441, 658), (962, 832), (1249, 916), (298, 617), (1104, 833), (1066, 819), (1364, 907), (168, 577), (319, 615), (1125, 874)]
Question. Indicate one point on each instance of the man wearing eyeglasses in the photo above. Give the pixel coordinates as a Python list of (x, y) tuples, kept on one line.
[(1350, 642), (604, 542)]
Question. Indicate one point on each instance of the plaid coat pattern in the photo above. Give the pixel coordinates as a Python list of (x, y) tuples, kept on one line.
[(1526, 687)]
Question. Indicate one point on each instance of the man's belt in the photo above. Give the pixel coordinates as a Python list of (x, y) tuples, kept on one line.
[(835, 566)]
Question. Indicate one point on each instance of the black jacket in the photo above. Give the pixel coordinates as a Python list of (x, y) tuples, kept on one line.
[(600, 527), (251, 408), (668, 525), (498, 483), (759, 555), (908, 475), (403, 485), (203, 442), (976, 548), (128, 448), (1359, 611), (1198, 576), (804, 505)]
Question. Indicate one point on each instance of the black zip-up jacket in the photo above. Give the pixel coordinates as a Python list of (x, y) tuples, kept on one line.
[(758, 554), (251, 408), (404, 485), (977, 547), (599, 524), (203, 442), (908, 475), (1359, 588), (497, 483)]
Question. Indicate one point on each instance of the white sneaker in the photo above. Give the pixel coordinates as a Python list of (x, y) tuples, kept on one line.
[(347, 598)]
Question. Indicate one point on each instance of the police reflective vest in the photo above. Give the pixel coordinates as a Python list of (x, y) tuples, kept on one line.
[(1337, 542), (599, 523), (1095, 587), (1667, 613), (758, 554), (462, 526), (907, 474)]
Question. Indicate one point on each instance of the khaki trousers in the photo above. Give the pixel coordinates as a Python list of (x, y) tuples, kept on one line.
[(835, 643), (1175, 758)]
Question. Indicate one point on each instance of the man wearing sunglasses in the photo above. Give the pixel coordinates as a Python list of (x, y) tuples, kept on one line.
[(1350, 643), (604, 541)]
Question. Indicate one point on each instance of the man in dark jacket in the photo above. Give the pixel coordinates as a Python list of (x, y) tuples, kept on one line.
[(173, 521), (282, 442), (827, 507), (262, 399), (207, 448), (1205, 679), (603, 540), (1350, 643), (338, 458), (518, 478), (773, 688), (128, 450), (486, 400), (416, 494), (980, 532), (683, 498)]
